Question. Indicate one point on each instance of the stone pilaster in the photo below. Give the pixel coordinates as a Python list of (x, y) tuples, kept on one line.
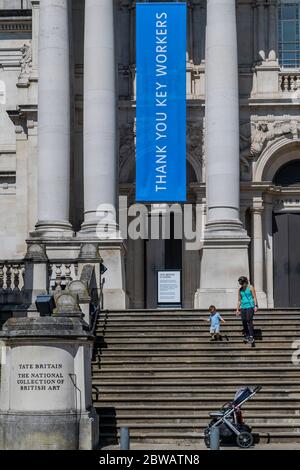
[(257, 251), (268, 224), (35, 5)]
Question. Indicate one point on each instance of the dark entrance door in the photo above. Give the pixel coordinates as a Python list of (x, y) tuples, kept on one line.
[(286, 242), (160, 255)]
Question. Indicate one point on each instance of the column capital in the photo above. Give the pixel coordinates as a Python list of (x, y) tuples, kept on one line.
[(257, 205), (257, 210)]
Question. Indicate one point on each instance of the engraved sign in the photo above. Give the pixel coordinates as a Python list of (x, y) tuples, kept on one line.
[(40, 377)]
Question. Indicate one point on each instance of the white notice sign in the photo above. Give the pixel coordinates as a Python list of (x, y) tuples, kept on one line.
[(169, 287)]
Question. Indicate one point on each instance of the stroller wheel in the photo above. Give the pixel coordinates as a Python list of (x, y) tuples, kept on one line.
[(245, 440)]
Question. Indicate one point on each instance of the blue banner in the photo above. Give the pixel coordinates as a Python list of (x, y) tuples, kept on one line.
[(161, 102)]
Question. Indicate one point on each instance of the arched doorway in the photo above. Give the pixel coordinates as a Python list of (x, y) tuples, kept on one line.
[(286, 230)]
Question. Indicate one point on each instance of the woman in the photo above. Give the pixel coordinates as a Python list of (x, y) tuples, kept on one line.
[(247, 306)]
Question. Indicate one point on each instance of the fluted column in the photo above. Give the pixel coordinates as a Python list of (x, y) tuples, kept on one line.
[(222, 115), (54, 120), (100, 133)]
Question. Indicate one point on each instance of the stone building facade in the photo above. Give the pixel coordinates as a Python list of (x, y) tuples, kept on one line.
[(75, 62)]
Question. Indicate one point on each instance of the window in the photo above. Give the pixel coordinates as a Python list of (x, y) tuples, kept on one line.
[(289, 33)]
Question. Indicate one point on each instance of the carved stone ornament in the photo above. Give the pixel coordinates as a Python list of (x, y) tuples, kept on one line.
[(195, 140), (26, 61), (254, 139)]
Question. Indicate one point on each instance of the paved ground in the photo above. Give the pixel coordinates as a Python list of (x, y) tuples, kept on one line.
[(153, 447)]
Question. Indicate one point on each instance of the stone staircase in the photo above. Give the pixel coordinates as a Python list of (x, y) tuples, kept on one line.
[(157, 373)]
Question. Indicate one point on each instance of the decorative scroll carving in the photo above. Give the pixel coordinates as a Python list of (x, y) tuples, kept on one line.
[(254, 139)]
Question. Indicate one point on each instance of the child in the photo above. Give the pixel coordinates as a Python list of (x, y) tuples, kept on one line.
[(215, 319)]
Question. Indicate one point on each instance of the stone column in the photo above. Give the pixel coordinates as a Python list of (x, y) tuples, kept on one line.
[(100, 148), (257, 252), (100, 105), (273, 30), (225, 255), (261, 30), (54, 120), (222, 113)]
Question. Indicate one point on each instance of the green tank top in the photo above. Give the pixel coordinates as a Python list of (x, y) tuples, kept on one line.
[(247, 300)]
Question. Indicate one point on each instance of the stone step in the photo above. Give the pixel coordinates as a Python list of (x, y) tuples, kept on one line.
[(149, 386), (200, 338), (143, 359), (194, 381), (196, 317), (207, 347), (108, 357), (172, 366), (164, 428), (199, 392), (194, 321), (139, 361), (192, 437), (204, 373), (213, 402), (252, 409), (238, 342), (287, 334), (197, 332), (195, 420), (230, 313)]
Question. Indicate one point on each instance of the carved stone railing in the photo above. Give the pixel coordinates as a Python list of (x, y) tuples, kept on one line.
[(12, 281), (195, 81), (22, 281), (61, 274), (289, 82), (272, 82)]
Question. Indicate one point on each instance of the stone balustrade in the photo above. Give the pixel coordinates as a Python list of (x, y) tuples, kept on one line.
[(289, 82), (61, 274), (12, 281), (195, 81)]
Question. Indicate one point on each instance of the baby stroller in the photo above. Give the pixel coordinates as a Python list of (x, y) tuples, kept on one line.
[(230, 421)]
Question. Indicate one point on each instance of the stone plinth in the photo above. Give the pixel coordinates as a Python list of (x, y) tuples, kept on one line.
[(46, 396)]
